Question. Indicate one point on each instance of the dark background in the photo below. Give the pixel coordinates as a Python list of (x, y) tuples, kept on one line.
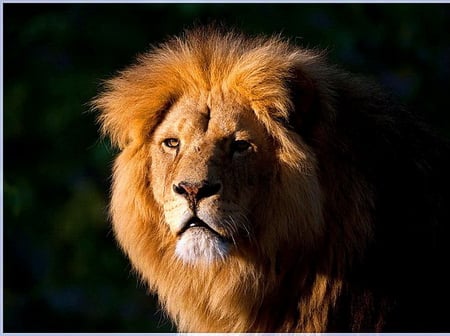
[(63, 272)]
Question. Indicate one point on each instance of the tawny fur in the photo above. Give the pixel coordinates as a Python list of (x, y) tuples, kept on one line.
[(313, 250)]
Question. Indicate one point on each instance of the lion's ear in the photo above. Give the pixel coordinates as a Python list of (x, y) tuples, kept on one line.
[(129, 109), (304, 97), (115, 118), (117, 128)]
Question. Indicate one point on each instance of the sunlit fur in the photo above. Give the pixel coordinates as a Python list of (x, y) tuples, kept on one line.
[(316, 218)]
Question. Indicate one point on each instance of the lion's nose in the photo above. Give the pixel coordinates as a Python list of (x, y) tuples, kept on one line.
[(196, 191)]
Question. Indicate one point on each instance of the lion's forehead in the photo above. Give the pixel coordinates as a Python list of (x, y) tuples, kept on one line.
[(203, 117)]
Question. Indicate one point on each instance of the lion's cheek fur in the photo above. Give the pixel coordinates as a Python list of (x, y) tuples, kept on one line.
[(135, 216)]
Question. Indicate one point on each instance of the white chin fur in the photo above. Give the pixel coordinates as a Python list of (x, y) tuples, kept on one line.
[(197, 245)]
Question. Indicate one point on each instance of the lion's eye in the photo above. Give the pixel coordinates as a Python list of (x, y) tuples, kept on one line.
[(171, 143), (240, 146)]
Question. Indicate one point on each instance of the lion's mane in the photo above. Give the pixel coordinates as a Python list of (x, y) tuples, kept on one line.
[(358, 249)]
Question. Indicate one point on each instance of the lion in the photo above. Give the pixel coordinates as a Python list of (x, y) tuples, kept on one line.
[(259, 188)]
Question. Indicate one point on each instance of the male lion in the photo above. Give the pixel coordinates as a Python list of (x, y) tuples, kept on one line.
[(259, 189)]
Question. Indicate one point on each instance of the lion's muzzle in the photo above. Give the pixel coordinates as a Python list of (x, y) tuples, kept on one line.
[(198, 233)]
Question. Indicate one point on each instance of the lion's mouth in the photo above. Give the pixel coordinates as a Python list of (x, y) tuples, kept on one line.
[(194, 223)]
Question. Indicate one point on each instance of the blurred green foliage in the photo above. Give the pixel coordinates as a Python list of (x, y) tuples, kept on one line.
[(63, 272)]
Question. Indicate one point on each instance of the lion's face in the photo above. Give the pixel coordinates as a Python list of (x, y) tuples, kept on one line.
[(211, 159)]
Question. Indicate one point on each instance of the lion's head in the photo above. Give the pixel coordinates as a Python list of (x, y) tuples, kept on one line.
[(222, 169), (218, 198)]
